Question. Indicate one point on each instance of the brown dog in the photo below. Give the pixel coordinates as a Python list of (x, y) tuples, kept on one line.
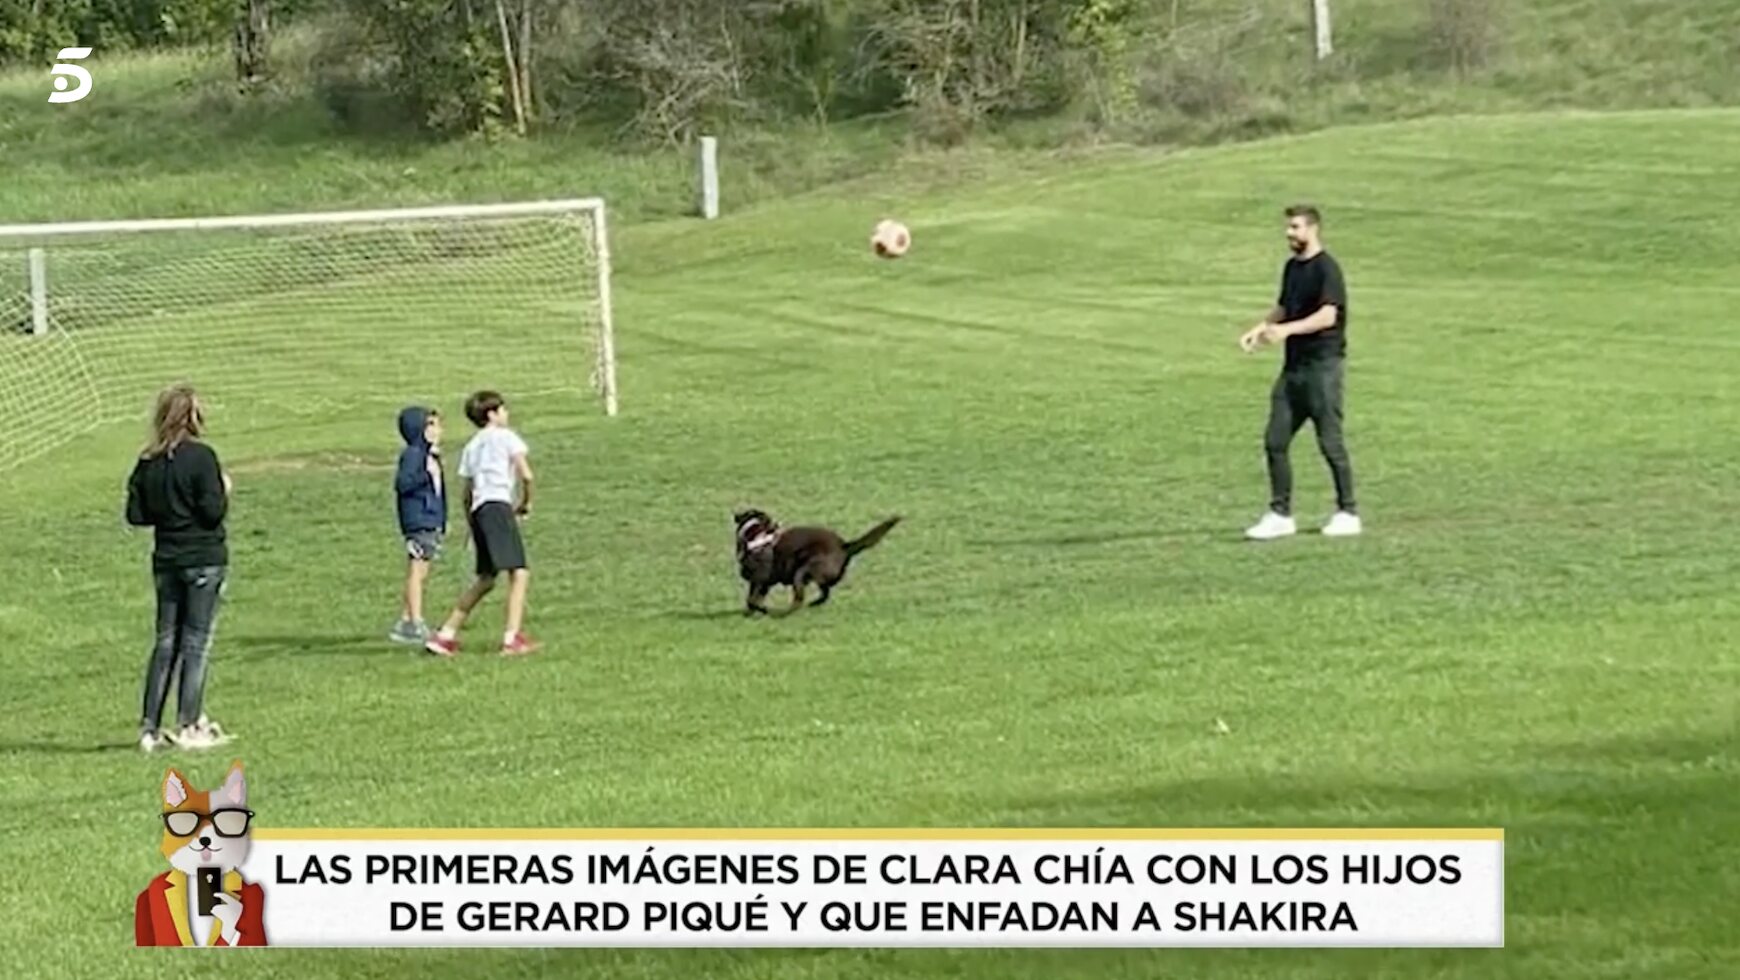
[(769, 555)]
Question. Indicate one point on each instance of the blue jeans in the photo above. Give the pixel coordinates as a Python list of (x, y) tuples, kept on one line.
[(187, 607)]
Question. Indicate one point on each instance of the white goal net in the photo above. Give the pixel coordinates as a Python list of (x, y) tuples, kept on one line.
[(299, 315)]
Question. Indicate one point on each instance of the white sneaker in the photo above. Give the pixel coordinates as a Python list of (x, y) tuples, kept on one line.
[(1342, 525), (152, 741), (1272, 526), (202, 734)]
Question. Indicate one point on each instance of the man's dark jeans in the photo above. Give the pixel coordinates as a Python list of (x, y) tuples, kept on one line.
[(1308, 391)]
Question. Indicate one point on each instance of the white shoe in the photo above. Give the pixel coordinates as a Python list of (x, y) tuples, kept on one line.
[(202, 734), (1342, 525), (152, 741), (1272, 526)]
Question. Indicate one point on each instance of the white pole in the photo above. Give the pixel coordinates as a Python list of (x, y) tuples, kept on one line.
[(38, 292), (606, 321), (1320, 14), (709, 178)]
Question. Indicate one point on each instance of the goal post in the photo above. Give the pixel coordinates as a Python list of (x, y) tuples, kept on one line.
[(298, 314)]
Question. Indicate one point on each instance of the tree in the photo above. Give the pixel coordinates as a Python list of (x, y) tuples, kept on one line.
[(680, 63), (964, 60), (442, 58), (253, 41), (514, 22)]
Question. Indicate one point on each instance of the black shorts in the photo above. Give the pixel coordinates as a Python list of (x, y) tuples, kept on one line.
[(495, 534)]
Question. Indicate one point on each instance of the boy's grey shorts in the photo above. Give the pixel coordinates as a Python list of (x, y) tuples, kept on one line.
[(423, 545)]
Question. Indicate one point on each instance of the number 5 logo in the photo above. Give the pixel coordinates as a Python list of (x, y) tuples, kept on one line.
[(81, 79)]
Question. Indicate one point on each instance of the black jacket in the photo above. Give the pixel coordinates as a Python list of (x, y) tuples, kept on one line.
[(181, 495)]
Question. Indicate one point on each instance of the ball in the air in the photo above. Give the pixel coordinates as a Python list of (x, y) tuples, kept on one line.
[(890, 240)]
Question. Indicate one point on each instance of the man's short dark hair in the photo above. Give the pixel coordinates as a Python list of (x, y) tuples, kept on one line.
[(479, 406), (1307, 211)]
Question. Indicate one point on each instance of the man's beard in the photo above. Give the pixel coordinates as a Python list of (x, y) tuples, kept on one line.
[(1297, 245)]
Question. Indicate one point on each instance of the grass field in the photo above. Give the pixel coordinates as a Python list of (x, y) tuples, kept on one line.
[(1536, 633)]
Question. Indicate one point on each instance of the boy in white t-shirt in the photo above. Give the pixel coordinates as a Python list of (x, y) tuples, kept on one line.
[(497, 489)]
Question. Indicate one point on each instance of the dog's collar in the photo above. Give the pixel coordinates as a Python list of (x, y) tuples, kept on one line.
[(758, 535)]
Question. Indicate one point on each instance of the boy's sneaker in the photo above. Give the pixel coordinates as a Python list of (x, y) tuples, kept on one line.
[(442, 646), (1272, 526), (1342, 524), (202, 734), (519, 645), (409, 632), (153, 741)]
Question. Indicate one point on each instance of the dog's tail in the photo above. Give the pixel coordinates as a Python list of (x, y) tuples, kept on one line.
[(871, 537)]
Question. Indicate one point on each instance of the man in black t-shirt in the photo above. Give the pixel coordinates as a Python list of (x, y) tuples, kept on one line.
[(1311, 317)]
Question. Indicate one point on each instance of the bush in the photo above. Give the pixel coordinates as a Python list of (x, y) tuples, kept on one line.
[(964, 62), (1103, 34), (1197, 72), (822, 60), (351, 81), (685, 67), (442, 60), (34, 29), (1191, 82), (1464, 34)]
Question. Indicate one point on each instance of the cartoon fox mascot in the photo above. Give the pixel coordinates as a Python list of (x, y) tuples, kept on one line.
[(202, 900)]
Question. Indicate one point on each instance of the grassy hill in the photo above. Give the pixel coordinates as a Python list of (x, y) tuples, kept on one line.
[(1536, 634), (1204, 71)]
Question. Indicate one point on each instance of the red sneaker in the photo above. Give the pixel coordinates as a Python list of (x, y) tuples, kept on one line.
[(442, 646), (519, 646)]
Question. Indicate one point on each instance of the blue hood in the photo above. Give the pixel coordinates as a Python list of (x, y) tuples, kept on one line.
[(422, 498), (412, 422)]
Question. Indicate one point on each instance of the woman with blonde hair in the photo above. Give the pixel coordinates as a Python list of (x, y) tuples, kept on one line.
[(180, 491)]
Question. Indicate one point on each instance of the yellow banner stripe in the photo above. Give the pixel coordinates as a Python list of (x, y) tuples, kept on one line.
[(882, 833)]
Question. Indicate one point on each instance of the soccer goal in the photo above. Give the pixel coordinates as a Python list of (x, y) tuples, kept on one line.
[(297, 315)]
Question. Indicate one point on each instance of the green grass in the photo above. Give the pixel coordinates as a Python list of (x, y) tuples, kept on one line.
[(1203, 71), (1536, 633), (1218, 70)]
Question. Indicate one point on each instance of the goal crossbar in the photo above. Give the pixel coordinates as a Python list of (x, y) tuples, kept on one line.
[(377, 215)]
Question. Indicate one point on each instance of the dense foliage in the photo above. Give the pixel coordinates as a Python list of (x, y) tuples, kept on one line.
[(34, 29), (667, 66), (663, 68)]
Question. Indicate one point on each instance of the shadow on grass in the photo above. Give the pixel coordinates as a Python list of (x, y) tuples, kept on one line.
[(767, 360), (1613, 851), (42, 746), (1623, 784), (716, 615), (261, 645), (1633, 833), (1091, 538)]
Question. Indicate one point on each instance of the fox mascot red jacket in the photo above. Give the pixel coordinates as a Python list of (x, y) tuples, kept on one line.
[(205, 838)]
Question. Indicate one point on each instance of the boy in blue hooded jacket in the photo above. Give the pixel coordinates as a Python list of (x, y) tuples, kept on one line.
[(422, 490)]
